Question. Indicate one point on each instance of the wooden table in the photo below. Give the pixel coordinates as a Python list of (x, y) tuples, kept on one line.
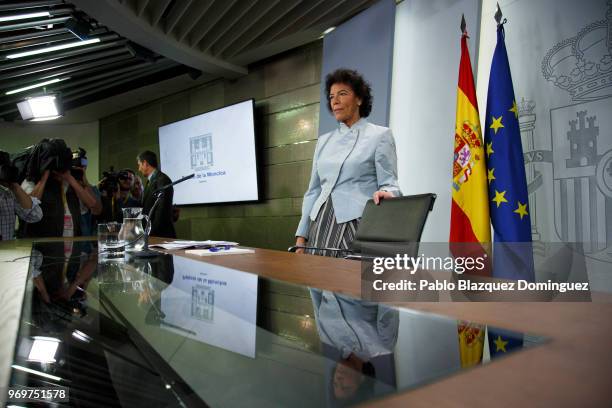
[(573, 370)]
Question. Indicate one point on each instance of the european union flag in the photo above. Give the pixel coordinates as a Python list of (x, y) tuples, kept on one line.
[(502, 342), (508, 196)]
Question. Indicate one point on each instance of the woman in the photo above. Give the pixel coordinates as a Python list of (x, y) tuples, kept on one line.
[(351, 164)]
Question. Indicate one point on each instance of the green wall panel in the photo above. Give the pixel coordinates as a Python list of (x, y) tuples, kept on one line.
[(286, 93)]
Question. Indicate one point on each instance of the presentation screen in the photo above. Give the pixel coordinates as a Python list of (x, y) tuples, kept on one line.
[(219, 147)]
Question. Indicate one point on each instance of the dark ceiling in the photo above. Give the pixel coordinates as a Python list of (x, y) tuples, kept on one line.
[(144, 42)]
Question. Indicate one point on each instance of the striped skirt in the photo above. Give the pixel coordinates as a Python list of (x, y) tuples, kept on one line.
[(325, 232)]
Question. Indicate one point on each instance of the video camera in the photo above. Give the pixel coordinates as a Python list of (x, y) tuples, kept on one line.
[(48, 154), (109, 183), (8, 172), (110, 180), (79, 161)]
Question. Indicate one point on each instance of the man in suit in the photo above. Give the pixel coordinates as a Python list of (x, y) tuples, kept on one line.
[(161, 219)]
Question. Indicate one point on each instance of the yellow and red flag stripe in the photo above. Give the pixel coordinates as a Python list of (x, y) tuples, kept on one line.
[(470, 207)]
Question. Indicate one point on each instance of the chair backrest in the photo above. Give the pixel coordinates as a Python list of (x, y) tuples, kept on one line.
[(395, 226)]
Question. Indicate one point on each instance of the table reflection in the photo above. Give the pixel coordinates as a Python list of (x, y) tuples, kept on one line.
[(173, 331), (358, 339)]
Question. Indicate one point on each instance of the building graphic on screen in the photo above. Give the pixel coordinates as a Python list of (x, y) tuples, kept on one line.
[(203, 303), (201, 150)]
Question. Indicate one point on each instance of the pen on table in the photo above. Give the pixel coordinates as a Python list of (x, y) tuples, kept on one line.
[(219, 248)]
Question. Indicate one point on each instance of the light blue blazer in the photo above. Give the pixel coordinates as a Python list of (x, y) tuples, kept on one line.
[(350, 164)]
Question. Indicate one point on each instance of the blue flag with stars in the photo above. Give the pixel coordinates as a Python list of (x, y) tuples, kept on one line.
[(502, 342), (508, 196)]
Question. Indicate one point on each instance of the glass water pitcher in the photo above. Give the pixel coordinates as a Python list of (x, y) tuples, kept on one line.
[(132, 230)]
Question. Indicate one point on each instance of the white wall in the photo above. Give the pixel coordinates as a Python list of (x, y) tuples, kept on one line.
[(14, 137), (423, 98)]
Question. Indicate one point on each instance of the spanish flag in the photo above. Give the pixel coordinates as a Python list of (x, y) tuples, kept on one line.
[(470, 232), (471, 343)]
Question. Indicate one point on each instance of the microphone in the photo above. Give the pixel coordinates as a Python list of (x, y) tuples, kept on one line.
[(158, 194), (192, 175)]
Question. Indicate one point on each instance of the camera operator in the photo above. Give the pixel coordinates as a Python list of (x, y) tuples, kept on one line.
[(127, 185), (61, 196), (13, 200), (109, 194), (137, 188), (116, 192), (79, 172)]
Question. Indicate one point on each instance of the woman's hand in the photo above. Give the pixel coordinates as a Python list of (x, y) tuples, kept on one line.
[(300, 241), (381, 195)]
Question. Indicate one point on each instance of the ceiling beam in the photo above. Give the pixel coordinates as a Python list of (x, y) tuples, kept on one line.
[(271, 18), (141, 5), (111, 82), (156, 15), (95, 87), (48, 39), (196, 13), (122, 20), (175, 14), (214, 15), (291, 20), (45, 33), (75, 69), (110, 69), (108, 72), (225, 25), (321, 17), (29, 4), (127, 86), (244, 24), (65, 54), (32, 24)]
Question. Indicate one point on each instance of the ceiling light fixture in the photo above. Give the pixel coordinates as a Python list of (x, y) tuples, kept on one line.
[(54, 48), (25, 16), (39, 108), (36, 372), (329, 30), (34, 86), (43, 349)]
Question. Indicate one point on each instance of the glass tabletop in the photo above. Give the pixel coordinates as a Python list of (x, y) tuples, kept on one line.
[(172, 331)]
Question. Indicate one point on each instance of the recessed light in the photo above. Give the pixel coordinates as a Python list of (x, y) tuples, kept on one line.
[(34, 86), (25, 16), (329, 30), (36, 372), (54, 48)]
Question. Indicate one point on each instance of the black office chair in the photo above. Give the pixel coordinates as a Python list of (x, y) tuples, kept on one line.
[(393, 227)]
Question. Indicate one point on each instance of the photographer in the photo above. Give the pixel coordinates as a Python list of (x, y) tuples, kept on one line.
[(13, 200), (127, 185), (137, 189), (50, 181), (109, 194), (79, 172), (116, 192)]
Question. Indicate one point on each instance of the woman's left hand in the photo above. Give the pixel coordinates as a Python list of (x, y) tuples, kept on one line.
[(381, 195)]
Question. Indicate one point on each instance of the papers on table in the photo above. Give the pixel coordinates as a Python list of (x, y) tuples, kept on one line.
[(169, 245)]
